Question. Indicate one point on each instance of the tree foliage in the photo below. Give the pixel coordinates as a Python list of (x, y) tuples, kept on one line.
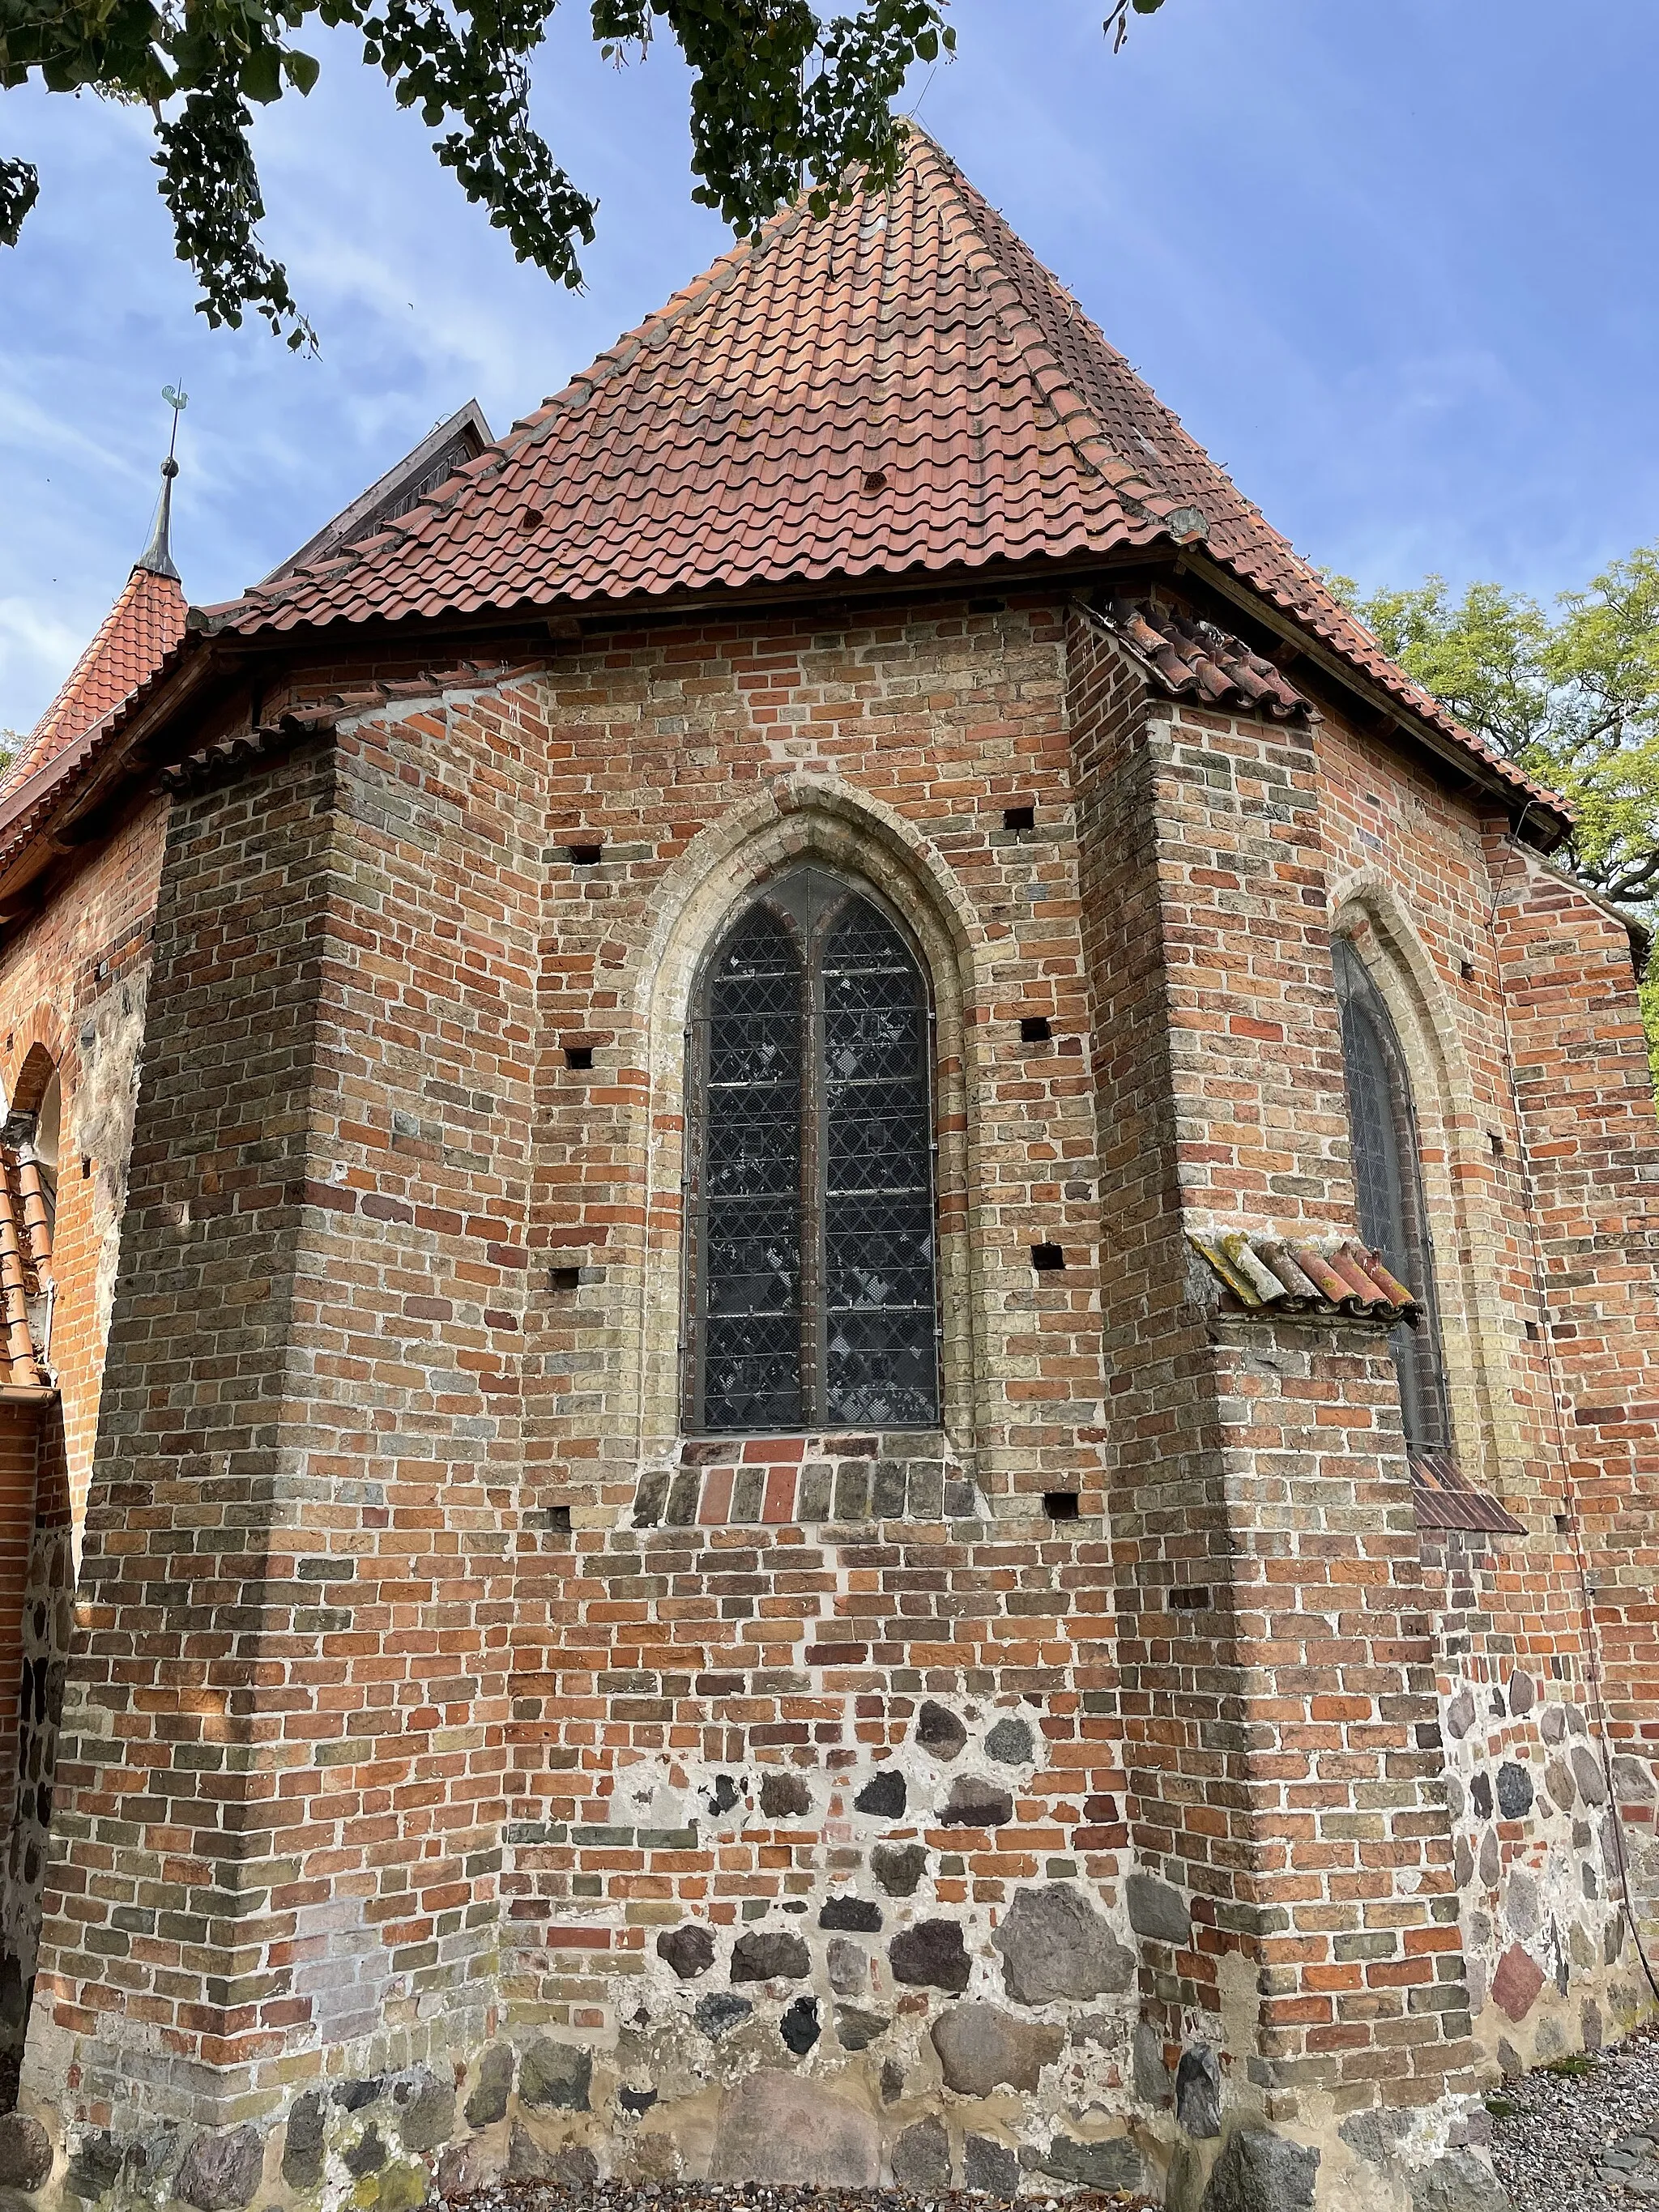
[(1117, 25), (783, 98), (1571, 695)]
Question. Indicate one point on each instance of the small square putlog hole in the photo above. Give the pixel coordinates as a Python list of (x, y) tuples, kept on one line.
[(1061, 1504), (1047, 1259), (1194, 1597), (1018, 818), (564, 1278), (578, 1056), (1034, 1029), (584, 856)]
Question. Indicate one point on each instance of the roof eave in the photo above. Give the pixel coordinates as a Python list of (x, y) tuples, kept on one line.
[(1523, 806), (209, 648), (87, 775)]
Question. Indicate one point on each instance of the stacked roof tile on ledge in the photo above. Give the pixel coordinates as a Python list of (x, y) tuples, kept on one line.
[(901, 387), (25, 1270), (1267, 1275), (1289, 1274), (1195, 660)]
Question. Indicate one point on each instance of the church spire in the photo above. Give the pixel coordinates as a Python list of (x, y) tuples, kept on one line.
[(133, 640), (157, 556)]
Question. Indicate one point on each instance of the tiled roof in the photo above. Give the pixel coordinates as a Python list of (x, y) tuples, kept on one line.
[(861, 396), (1272, 1274), (146, 621), (25, 1292), (1192, 659), (899, 388)]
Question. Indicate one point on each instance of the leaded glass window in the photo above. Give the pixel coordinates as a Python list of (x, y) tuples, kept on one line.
[(1388, 1186), (812, 1278)]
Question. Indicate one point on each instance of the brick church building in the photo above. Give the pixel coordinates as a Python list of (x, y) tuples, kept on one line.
[(829, 1274)]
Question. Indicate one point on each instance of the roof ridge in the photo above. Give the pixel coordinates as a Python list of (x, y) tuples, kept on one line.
[(968, 193), (1418, 694), (1093, 447)]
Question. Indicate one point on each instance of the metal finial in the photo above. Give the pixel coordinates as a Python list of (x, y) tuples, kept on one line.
[(157, 556)]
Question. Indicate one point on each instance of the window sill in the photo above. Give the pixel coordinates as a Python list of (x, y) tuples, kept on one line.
[(1442, 1499), (777, 1481)]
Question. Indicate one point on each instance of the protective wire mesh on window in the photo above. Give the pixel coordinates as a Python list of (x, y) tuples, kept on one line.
[(1388, 1186), (812, 1255)]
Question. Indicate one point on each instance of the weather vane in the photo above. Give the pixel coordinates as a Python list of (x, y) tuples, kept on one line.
[(178, 400)]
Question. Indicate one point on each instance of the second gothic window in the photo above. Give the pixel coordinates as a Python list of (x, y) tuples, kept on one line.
[(1388, 1186), (812, 1291)]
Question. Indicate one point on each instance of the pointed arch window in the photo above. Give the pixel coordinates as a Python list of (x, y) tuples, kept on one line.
[(1388, 1185), (812, 1289)]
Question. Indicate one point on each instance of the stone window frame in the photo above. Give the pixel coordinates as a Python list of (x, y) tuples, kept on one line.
[(1453, 1158), (1408, 1242), (855, 835)]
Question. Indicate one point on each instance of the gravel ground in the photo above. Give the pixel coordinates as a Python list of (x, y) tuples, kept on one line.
[(751, 2197), (1569, 2140)]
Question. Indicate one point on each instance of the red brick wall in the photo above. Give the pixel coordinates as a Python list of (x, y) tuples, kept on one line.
[(72, 983), (18, 1427), (1515, 999), (1273, 1651), (310, 1382), (391, 1703)]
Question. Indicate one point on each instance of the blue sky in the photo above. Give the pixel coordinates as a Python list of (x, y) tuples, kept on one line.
[(1395, 266)]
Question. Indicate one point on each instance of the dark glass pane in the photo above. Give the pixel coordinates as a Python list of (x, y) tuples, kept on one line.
[(1376, 1144), (1388, 1191), (751, 1269), (879, 1293), (882, 1376)]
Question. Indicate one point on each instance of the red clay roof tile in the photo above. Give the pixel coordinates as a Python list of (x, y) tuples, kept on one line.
[(1194, 659), (24, 1270), (1269, 1274), (145, 622), (900, 387)]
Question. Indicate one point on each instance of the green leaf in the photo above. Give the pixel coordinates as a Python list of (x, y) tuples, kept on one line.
[(261, 75), (784, 97), (20, 187)]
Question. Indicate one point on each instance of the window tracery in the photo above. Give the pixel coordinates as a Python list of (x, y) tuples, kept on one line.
[(811, 1277)]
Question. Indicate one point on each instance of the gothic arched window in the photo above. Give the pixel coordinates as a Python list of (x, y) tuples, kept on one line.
[(1388, 1185), (811, 1287)]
